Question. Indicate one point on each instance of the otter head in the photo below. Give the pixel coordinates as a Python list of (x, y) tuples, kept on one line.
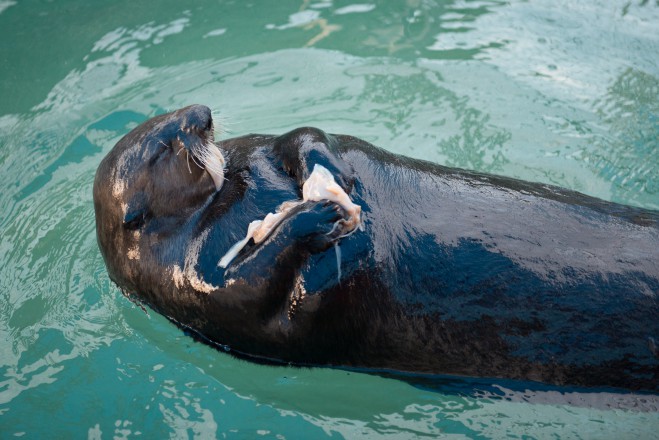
[(151, 182)]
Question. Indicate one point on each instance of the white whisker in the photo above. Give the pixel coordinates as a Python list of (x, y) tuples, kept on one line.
[(223, 123), (196, 162), (208, 156)]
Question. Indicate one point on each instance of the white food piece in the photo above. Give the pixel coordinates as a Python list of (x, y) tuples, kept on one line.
[(319, 186), (233, 251)]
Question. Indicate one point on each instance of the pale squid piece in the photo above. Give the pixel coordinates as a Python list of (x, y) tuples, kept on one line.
[(319, 186)]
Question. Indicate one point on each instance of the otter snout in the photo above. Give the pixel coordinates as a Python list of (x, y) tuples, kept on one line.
[(196, 118)]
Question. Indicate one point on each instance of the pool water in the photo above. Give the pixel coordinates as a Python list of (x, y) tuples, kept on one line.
[(555, 91)]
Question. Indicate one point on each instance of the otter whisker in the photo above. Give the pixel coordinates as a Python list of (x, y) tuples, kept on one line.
[(223, 121), (196, 162), (209, 157), (187, 157)]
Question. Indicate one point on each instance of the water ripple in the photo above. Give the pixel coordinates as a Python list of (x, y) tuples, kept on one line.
[(490, 85)]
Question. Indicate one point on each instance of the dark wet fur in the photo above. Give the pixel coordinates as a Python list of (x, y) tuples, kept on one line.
[(455, 272)]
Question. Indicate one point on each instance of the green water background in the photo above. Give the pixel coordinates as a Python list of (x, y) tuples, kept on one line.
[(562, 92)]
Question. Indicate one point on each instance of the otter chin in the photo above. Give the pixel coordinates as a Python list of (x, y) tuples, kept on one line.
[(450, 272)]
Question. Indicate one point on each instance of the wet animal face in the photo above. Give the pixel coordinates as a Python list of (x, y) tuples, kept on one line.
[(155, 177)]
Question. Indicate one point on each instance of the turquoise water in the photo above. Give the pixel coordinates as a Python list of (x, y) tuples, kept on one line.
[(563, 92)]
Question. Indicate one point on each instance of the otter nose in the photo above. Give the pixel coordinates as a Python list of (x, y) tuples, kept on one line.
[(197, 117)]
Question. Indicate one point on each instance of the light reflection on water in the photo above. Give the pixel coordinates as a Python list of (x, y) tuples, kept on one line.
[(564, 93)]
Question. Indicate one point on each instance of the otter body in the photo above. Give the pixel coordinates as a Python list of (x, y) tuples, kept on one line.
[(453, 272)]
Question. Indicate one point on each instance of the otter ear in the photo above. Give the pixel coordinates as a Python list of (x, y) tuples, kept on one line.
[(135, 213)]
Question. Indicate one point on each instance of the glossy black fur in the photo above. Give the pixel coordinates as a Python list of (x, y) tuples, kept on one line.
[(454, 272)]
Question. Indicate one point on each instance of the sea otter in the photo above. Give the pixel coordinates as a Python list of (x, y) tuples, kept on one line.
[(450, 272)]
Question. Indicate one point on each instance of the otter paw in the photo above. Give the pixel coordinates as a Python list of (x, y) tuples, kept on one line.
[(319, 224)]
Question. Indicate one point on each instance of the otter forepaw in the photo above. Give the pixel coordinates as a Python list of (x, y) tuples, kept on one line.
[(320, 225)]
